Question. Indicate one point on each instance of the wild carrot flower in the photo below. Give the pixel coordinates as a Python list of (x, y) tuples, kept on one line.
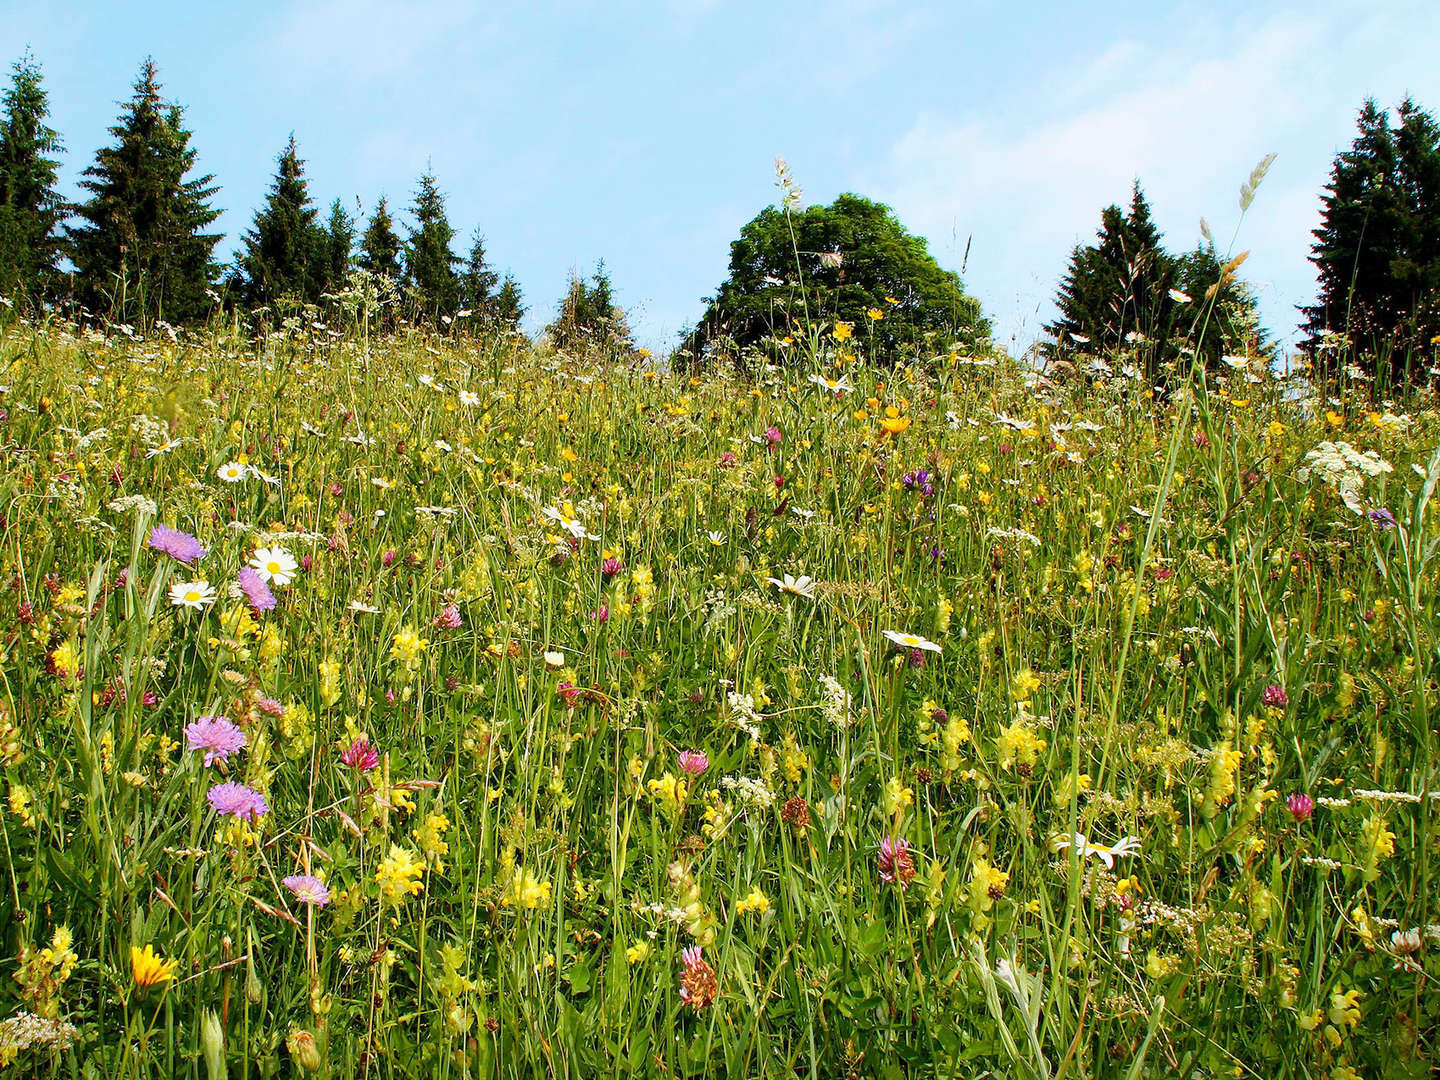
[(217, 736), (895, 862), (307, 889), (699, 985), (238, 800), (180, 546), (360, 755), (693, 762), (256, 592), (149, 968)]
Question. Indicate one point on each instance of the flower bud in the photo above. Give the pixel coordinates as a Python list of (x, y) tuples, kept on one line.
[(303, 1050)]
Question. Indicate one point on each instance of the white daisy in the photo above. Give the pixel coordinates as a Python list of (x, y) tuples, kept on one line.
[(275, 565), (801, 586), (232, 472), (192, 594), (1106, 853), (911, 641)]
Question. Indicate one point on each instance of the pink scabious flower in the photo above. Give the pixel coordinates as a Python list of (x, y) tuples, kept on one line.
[(217, 736), (1301, 807), (895, 862), (360, 755), (449, 618), (693, 762), (238, 800), (307, 889), (256, 591), (1275, 697), (180, 546)]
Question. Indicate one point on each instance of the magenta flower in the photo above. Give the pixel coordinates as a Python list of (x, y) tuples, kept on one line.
[(307, 889), (449, 618), (256, 591), (612, 566), (217, 736), (360, 755), (1275, 697), (269, 706), (895, 862), (1301, 807), (180, 546), (693, 762), (238, 801), (773, 436)]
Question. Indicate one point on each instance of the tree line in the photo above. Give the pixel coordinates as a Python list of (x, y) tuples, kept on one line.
[(140, 247)]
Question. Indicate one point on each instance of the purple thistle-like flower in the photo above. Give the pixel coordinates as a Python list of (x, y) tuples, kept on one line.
[(307, 889), (255, 590), (217, 736), (1382, 517), (239, 801), (180, 546)]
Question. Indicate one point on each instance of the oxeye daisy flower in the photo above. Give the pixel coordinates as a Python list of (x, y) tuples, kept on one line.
[(216, 736), (237, 800), (838, 387), (276, 565), (307, 889), (1106, 853), (180, 546), (192, 594), (799, 586), (232, 472), (911, 641)]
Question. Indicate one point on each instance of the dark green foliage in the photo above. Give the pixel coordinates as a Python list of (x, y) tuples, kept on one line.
[(429, 262), (285, 250), (509, 306), (140, 249), (1377, 249), (837, 262), (588, 316), (1119, 294), (339, 245), (30, 207), (477, 283), (380, 246)]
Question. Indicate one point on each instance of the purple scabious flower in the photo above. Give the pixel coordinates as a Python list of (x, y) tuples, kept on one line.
[(217, 736), (307, 889), (238, 801), (1382, 517), (180, 546), (255, 590)]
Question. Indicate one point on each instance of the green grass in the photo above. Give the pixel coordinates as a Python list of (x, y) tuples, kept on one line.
[(1152, 623)]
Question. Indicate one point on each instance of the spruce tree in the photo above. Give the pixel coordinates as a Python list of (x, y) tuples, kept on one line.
[(380, 246), (429, 262), (31, 208), (140, 249), (1377, 250), (588, 315), (477, 282), (339, 245), (509, 306), (285, 248)]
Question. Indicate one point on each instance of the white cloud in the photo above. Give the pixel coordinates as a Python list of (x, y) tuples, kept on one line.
[(1189, 121)]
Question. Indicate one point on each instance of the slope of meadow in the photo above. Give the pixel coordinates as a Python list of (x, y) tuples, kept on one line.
[(530, 716)]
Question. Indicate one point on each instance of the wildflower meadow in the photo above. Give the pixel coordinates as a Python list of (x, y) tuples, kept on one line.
[(417, 706)]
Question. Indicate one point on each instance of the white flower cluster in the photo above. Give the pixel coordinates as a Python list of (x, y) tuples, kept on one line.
[(752, 793), (834, 702), (743, 714), (1344, 468)]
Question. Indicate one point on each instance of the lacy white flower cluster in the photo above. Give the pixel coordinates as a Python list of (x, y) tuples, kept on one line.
[(1344, 468), (743, 714), (834, 702), (752, 793)]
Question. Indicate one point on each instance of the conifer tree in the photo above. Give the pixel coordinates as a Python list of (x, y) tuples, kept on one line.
[(588, 315), (140, 249), (339, 246), (509, 306), (285, 248), (380, 246), (1377, 250), (429, 262), (30, 206), (477, 282)]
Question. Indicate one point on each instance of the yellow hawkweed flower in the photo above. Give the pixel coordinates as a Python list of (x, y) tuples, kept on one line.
[(149, 968)]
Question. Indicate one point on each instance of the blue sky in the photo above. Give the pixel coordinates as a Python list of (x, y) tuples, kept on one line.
[(646, 133)]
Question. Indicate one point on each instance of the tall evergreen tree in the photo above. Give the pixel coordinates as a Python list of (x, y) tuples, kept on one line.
[(339, 246), (31, 208), (141, 249), (285, 248), (380, 246), (429, 262), (477, 282), (509, 306), (588, 315), (1377, 250)]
